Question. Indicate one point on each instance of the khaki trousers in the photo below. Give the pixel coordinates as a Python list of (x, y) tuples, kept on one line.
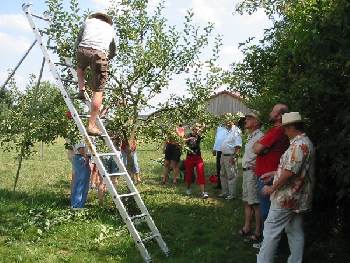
[(228, 175)]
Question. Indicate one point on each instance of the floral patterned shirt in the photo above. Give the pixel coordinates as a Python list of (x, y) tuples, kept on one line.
[(296, 194)]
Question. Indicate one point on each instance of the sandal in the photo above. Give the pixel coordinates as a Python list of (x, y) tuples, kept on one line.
[(255, 238), (243, 233)]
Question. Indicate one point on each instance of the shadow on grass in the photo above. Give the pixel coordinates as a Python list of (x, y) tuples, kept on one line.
[(194, 230)]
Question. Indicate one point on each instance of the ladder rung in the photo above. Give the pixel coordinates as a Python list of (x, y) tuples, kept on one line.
[(64, 65), (41, 17), (150, 237), (126, 195), (84, 115), (117, 174), (88, 116), (106, 154), (138, 216), (69, 80), (102, 135)]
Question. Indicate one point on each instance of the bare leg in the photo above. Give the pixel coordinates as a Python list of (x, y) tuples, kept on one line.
[(248, 213), (101, 191), (201, 186), (165, 171), (96, 103), (94, 176), (175, 166), (257, 220), (81, 78), (137, 178)]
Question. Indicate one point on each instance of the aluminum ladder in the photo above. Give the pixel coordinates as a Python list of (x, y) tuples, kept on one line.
[(131, 221)]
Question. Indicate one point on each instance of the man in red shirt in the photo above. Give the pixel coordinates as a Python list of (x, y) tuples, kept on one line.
[(269, 150)]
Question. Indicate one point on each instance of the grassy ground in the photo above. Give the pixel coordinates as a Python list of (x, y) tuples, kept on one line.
[(36, 224)]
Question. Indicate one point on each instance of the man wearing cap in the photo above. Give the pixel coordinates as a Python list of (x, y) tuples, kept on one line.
[(96, 46), (269, 150), (291, 193), (250, 181), (230, 147)]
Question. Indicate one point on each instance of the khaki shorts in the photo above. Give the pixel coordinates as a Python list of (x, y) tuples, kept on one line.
[(250, 193), (98, 63)]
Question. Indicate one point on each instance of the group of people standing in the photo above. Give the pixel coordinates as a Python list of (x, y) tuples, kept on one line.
[(278, 178), (230, 143), (278, 175)]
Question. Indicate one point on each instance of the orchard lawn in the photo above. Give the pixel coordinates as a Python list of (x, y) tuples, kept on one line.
[(37, 225)]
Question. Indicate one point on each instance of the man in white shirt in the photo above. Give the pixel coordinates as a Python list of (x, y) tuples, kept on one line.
[(95, 47), (219, 138), (230, 147)]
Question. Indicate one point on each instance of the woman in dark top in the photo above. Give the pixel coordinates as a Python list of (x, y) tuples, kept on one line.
[(194, 160), (172, 153)]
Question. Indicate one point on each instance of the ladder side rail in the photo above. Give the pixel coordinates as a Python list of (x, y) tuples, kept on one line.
[(151, 225), (123, 212)]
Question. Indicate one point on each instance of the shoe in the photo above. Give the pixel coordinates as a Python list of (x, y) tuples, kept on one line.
[(188, 191), (257, 245), (205, 195), (222, 195), (94, 132), (230, 197), (81, 95)]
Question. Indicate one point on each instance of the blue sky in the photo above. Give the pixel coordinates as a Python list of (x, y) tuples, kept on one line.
[(16, 36)]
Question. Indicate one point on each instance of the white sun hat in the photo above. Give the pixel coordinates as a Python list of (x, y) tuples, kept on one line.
[(291, 117)]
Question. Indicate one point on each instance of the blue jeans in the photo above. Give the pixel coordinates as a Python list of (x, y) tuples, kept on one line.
[(264, 200), (280, 219), (81, 181), (135, 166)]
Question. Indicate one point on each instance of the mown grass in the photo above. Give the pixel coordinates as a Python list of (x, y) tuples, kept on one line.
[(36, 224)]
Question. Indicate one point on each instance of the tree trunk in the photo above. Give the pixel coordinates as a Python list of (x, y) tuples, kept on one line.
[(19, 167), (129, 145)]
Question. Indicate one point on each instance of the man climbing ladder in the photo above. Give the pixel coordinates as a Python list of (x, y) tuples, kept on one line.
[(98, 64), (95, 46)]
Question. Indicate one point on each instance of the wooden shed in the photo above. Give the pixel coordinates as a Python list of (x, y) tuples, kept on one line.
[(226, 101)]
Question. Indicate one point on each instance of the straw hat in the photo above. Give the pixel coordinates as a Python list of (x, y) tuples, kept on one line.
[(254, 115), (291, 117), (97, 14)]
